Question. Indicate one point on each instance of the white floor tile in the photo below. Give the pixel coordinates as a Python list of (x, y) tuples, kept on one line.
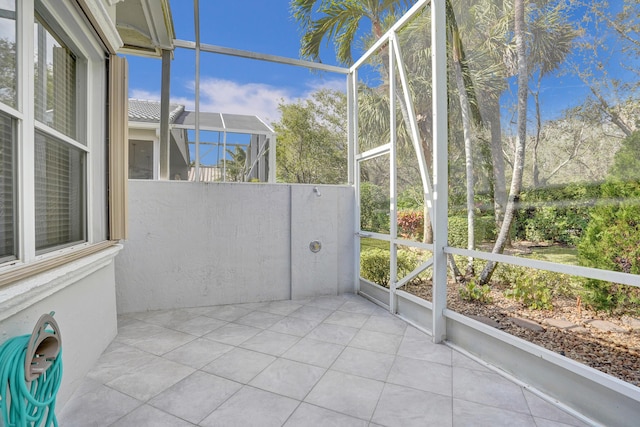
[(364, 363), (310, 415), (347, 394), (288, 378), (270, 342), (477, 415), (198, 353), (421, 375), (239, 364), (251, 407), (148, 416), (314, 352), (406, 407), (196, 396)]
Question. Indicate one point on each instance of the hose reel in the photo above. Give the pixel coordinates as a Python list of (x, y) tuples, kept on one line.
[(30, 376), (43, 348)]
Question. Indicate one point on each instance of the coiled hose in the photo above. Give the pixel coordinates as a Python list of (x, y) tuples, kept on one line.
[(22, 406)]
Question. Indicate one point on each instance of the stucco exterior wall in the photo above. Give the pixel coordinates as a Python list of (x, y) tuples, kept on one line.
[(197, 244), (82, 295)]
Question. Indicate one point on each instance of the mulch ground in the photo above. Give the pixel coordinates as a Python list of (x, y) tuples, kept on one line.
[(613, 352)]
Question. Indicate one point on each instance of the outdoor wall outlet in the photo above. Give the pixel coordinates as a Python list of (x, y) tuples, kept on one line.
[(315, 246)]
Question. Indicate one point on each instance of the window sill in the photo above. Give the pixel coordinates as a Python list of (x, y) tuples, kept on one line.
[(33, 289)]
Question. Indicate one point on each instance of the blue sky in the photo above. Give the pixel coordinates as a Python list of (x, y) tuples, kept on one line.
[(228, 84), (242, 86)]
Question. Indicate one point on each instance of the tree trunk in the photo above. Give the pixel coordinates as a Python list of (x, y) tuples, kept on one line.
[(536, 143), (468, 154), (497, 158), (518, 164)]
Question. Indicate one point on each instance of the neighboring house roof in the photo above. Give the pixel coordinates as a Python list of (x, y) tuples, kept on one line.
[(223, 121), (149, 111), (207, 174)]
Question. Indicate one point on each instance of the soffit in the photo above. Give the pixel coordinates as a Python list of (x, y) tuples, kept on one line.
[(145, 26)]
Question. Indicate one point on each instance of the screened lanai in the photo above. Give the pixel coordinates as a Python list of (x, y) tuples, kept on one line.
[(440, 154), (242, 141)]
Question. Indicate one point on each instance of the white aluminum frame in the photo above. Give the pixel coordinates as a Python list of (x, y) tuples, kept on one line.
[(436, 196)]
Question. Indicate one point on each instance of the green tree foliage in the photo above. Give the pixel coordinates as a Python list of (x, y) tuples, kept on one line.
[(374, 208), (339, 21), (236, 166), (7, 71), (612, 238), (626, 163), (312, 139)]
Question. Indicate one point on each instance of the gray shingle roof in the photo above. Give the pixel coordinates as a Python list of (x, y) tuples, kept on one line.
[(149, 111)]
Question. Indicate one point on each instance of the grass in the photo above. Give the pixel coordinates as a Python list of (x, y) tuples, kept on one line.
[(369, 243), (559, 254)]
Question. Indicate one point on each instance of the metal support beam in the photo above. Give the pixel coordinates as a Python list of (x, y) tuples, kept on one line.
[(351, 96), (165, 94), (196, 19), (393, 177), (440, 155), (352, 112), (260, 56)]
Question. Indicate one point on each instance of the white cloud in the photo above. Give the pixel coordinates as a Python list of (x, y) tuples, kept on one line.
[(257, 99), (227, 96), (144, 95), (339, 84)]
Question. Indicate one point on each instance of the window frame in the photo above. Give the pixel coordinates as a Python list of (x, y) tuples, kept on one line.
[(69, 25)]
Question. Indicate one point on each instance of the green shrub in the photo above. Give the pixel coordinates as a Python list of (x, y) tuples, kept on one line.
[(536, 288), (610, 297), (556, 214), (484, 230), (532, 290), (374, 208), (556, 225), (374, 265), (612, 239), (472, 292)]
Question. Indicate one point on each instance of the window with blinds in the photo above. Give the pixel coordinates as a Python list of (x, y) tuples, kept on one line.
[(59, 190), (7, 188), (55, 82), (8, 53), (60, 174)]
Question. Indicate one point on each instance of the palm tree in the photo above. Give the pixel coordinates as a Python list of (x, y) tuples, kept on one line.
[(339, 21), (547, 48), (236, 165), (518, 164)]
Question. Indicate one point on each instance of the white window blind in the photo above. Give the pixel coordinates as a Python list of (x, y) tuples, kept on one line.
[(7, 188), (55, 83), (60, 212), (60, 193)]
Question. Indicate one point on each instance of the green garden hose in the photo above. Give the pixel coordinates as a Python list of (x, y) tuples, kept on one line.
[(22, 406)]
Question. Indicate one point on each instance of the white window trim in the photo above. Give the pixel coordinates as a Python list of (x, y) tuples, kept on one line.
[(31, 290), (68, 24)]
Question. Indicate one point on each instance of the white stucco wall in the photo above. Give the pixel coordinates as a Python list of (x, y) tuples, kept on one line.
[(195, 244), (82, 295)]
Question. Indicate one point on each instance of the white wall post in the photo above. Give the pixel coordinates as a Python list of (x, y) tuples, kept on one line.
[(393, 177), (440, 156)]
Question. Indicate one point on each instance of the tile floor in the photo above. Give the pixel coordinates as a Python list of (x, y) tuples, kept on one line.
[(328, 361)]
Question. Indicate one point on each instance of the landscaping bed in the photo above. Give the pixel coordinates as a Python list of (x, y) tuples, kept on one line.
[(608, 343)]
